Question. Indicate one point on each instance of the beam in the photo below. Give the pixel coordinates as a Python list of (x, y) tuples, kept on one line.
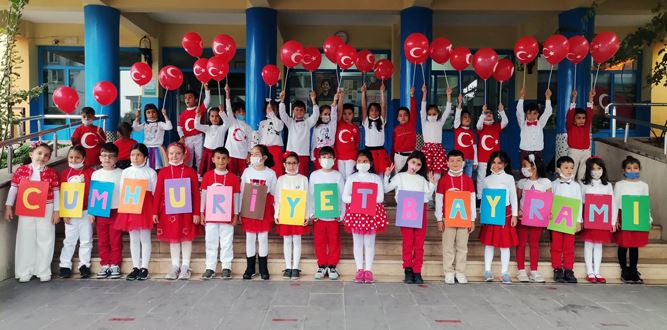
[(141, 24)]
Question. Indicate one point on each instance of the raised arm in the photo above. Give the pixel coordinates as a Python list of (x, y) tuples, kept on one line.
[(198, 125), (480, 120), (520, 115), (136, 124), (207, 96), (364, 106), (312, 120), (548, 110), (289, 121), (413, 108), (503, 116), (457, 114), (448, 107), (422, 111), (383, 102)]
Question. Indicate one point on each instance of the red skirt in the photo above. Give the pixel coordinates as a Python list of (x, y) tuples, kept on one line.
[(206, 162), (287, 230), (176, 228), (500, 236), (277, 154), (380, 160), (128, 222), (358, 223), (596, 235), (435, 157), (260, 226), (630, 239), (316, 162)]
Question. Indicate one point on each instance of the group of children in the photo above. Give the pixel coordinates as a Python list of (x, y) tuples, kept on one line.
[(227, 152)]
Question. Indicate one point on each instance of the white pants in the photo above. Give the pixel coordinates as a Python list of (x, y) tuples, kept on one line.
[(481, 175), (219, 235), (140, 248), (504, 258), (35, 240), (580, 157), (593, 257), (175, 250), (346, 167), (399, 162), (292, 251), (364, 250), (194, 144), (251, 239), (79, 229)]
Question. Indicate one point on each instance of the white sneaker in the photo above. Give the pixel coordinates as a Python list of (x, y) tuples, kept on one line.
[(522, 276), (461, 278), (115, 272), (185, 273), (449, 278), (45, 278), (321, 273), (25, 279), (173, 273), (536, 277)]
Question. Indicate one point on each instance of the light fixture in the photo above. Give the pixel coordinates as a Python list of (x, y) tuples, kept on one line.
[(145, 49)]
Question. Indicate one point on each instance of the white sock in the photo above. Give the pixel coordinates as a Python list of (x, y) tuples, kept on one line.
[(146, 248), (437, 177), (504, 260), (187, 252), (296, 240), (488, 257), (369, 247), (358, 243), (287, 251), (263, 239), (250, 239), (135, 248), (175, 249), (597, 258), (588, 257)]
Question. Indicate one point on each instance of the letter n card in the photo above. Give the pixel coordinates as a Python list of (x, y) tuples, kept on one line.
[(457, 212), (31, 198), (253, 201), (410, 210), (597, 211), (364, 198), (219, 207)]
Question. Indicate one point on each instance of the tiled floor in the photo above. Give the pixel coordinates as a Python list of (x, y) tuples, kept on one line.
[(236, 304)]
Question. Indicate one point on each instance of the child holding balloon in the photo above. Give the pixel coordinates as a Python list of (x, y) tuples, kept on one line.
[(405, 133), (299, 128), (239, 135), (324, 130), (374, 120), (154, 129), (432, 123), (464, 137), (489, 131), (347, 140), (191, 138), (532, 124), (214, 135), (578, 124), (269, 133)]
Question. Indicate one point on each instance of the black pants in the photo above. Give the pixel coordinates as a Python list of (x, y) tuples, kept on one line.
[(622, 258)]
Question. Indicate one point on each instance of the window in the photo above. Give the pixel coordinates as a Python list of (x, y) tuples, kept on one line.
[(618, 84)]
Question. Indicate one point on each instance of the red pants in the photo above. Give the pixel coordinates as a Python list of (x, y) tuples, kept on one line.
[(562, 250), (530, 235), (413, 246), (327, 242), (237, 166), (277, 153), (109, 242), (303, 165)]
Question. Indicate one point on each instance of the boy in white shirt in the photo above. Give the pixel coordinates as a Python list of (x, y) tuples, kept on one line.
[(532, 125), (298, 138)]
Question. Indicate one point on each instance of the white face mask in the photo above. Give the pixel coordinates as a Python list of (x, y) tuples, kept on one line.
[(596, 174), (526, 172), (326, 119), (363, 167), (565, 178), (255, 160), (76, 166), (432, 118), (326, 163), (291, 172), (87, 122), (175, 163), (455, 173)]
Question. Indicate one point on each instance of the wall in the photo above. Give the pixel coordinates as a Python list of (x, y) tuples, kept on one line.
[(658, 93)]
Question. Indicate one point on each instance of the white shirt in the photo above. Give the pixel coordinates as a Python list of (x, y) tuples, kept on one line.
[(542, 184), (239, 135), (290, 182), (319, 177), (366, 178), (504, 181), (373, 137), (269, 130), (632, 188), (409, 182), (432, 131), (324, 135), (571, 190), (112, 176), (503, 121), (532, 137), (596, 187), (266, 176), (298, 137), (237, 196), (153, 132), (215, 134), (142, 172)]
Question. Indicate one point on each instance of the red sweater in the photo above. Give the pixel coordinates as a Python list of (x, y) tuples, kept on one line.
[(84, 175), (124, 147), (405, 135), (176, 172), (229, 179), (579, 137), (455, 183), (91, 138), (489, 141), (186, 121), (347, 141), (464, 140)]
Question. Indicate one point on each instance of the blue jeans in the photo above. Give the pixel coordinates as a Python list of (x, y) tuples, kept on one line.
[(467, 168)]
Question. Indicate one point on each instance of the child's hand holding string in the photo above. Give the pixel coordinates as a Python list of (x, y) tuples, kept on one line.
[(137, 115), (9, 213), (55, 218), (548, 94)]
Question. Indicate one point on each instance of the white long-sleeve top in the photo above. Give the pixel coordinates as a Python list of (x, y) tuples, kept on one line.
[(266, 177), (143, 172), (503, 121), (214, 134), (324, 135), (632, 188), (206, 102), (366, 178), (541, 184), (153, 131), (298, 137), (290, 182), (112, 176), (372, 136), (239, 134), (570, 189), (432, 131), (596, 187), (269, 130), (532, 137), (504, 181), (237, 196), (35, 176), (409, 182), (320, 177)]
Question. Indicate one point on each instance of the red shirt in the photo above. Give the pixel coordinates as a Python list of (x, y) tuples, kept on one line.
[(405, 135), (124, 147), (186, 121), (78, 176), (464, 140), (455, 183), (489, 141), (91, 138), (47, 174), (347, 140), (579, 137), (176, 172), (230, 179)]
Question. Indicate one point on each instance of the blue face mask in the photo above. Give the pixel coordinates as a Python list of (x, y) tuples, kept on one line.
[(240, 117), (631, 175)]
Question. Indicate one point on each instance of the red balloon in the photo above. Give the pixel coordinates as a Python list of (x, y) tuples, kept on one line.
[(578, 49), (193, 44), (526, 49), (441, 49), (217, 67), (311, 59), (291, 53), (170, 77), (504, 70), (365, 60), (384, 69), (66, 99), (416, 48), (460, 58), (330, 47), (225, 46), (141, 73), (346, 55), (270, 74), (555, 49), (200, 70), (484, 62), (105, 92), (604, 46)]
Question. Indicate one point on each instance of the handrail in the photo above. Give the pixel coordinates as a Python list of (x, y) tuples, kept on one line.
[(627, 120)]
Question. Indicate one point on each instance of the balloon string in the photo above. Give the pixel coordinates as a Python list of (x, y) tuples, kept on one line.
[(550, 71), (201, 99), (312, 83), (460, 83), (446, 79), (423, 75), (485, 91), (219, 94), (270, 96), (285, 80), (164, 101), (340, 81), (595, 82), (524, 76), (414, 74), (141, 97), (500, 94), (575, 76)]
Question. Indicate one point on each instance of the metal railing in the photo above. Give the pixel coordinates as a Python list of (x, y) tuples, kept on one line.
[(629, 121), (8, 145)]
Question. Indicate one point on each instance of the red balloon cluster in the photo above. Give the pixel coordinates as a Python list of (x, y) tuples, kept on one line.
[(105, 92), (311, 59), (224, 46), (484, 62), (200, 70), (66, 99), (384, 69), (291, 53), (216, 68)]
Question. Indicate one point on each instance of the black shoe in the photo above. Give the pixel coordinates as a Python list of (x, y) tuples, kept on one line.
[(226, 274), (626, 276), (143, 274), (636, 276), (569, 276), (287, 274), (296, 274), (208, 274), (418, 278), (84, 271), (558, 275), (250, 268), (409, 276), (264, 268), (65, 272), (133, 274)]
